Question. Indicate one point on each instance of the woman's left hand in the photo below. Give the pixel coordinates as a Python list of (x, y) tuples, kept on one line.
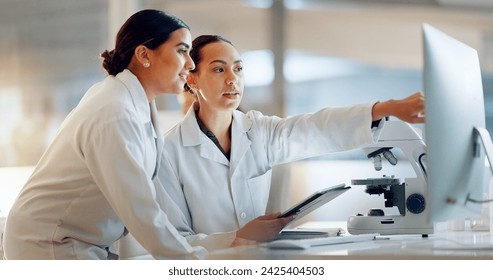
[(263, 228)]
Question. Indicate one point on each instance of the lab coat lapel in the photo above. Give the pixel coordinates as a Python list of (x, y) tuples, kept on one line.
[(137, 94), (193, 136), (146, 111), (159, 135), (240, 143), (210, 151)]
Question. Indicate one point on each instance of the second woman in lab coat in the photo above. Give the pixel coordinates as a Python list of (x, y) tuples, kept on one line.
[(219, 160)]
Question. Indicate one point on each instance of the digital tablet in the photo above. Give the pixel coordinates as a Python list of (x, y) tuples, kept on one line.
[(299, 233), (314, 201)]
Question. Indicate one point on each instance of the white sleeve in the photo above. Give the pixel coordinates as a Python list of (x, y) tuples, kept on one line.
[(115, 157), (326, 131), (215, 241)]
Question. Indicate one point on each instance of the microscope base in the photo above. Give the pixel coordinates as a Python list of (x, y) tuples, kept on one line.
[(388, 225)]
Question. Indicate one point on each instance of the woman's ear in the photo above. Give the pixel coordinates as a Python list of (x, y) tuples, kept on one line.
[(142, 55)]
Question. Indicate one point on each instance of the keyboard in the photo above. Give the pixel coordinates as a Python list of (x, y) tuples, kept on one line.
[(321, 241)]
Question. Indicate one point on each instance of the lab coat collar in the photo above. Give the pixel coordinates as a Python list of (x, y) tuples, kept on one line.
[(137, 93), (190, 132), (241, 121), (146, 111), (192, 136), (159, 137), (240, 143)]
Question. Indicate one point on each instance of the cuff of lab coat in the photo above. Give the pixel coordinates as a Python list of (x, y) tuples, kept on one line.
[(214, 241)]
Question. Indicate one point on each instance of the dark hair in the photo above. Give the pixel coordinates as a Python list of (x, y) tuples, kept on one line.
[(150, 28), (197, 45)]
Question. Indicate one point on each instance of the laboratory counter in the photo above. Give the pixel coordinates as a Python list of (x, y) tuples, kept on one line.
[(443, 244)]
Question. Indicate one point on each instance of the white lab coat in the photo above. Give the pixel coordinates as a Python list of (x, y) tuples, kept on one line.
[(217, 196), (95, 181)]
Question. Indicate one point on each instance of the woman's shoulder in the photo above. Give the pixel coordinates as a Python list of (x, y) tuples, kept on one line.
[(256, 117)]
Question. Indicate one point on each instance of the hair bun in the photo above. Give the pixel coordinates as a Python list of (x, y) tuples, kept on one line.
[(109, 62)]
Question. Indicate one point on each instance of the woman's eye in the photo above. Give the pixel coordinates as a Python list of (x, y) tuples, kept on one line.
[(218, 70), (182, 51), (239, 68)]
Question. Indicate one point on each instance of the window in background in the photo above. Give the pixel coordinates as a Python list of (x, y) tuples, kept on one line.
[(10, 116)]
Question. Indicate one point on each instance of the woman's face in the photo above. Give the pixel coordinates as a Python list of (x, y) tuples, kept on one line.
[(171, 63), (219, 77)]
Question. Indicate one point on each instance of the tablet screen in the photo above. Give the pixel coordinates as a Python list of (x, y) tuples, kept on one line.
[(314, 201)]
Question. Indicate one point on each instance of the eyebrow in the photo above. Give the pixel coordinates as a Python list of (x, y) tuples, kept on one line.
[(224, 62), (183, 44)]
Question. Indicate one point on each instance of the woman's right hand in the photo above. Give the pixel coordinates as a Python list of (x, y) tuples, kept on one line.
[(263, 228), (409, 109)]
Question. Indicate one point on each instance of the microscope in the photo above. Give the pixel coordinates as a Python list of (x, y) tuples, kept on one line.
[(410, 196)]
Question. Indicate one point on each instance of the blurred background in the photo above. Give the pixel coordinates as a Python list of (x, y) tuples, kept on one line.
[(299, 55)]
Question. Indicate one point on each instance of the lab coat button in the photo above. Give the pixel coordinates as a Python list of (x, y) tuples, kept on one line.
[(243, 215)]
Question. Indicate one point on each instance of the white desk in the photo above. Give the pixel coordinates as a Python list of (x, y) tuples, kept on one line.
[(440, 245)]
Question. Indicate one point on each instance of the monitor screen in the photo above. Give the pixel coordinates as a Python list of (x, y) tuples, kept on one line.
[(453, 106)]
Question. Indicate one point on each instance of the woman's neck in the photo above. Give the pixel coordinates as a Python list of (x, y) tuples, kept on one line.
[(218, 122)]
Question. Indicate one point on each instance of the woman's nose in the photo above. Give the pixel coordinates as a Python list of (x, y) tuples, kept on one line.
[(189, 64), (232, 79)]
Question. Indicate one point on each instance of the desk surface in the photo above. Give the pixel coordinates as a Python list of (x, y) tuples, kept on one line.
[(442, 244)]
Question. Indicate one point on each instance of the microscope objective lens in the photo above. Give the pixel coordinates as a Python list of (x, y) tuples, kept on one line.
[(390, 157), (377, 162)]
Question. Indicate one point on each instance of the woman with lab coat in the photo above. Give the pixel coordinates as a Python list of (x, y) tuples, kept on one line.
[(97, 180), (219, 160)]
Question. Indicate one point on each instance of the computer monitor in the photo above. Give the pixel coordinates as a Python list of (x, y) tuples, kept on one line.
[(455, 114)]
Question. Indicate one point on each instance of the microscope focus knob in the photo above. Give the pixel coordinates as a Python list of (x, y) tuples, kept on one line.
[(415, 203), (376, 212)]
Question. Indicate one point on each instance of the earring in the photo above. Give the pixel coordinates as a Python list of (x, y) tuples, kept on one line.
[(147, 64)]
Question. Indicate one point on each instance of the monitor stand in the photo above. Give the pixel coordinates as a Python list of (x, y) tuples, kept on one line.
[(482, 134)]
